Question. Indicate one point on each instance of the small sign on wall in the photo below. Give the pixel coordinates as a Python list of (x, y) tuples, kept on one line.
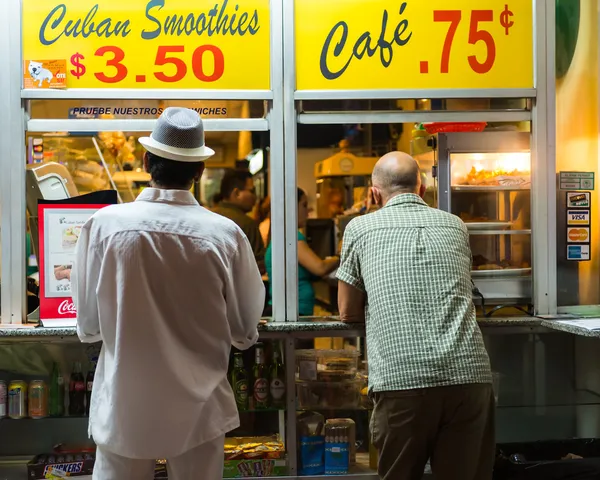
[(577, 180)]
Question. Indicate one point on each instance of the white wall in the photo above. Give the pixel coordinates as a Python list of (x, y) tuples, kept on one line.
[(307, 158)]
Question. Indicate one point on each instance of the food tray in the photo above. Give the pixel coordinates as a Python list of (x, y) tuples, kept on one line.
[(505, 272), (450, 127)]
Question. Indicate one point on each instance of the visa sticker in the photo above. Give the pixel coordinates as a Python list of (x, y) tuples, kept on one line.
[(578, 217)]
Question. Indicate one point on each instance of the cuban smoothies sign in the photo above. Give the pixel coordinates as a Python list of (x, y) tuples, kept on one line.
[(204, 44), (415, 44)]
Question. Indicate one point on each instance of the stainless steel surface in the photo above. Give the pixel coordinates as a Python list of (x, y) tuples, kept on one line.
[(408, 94), (141, 125), (149, 94), (543, 161), (415, 116), (291, 174), (496, 188), (277, 164), (504, 290), (500, 232), (504, 272), (488, 225), (12, 176)]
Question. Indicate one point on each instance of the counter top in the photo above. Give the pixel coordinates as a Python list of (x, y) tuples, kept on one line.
[(316, 324), (573, 329)]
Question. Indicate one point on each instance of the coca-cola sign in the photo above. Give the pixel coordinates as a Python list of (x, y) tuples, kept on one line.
[(67, 307)]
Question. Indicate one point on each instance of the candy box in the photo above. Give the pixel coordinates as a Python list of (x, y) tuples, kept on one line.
[(60, 465)]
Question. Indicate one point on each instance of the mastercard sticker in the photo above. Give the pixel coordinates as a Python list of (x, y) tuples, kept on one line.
[(578, 235)]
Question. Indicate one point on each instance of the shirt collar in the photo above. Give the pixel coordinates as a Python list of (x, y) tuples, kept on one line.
[(160, 195), (405, 198)]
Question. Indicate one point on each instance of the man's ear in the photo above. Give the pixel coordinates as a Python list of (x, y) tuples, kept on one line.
[(377, 197)]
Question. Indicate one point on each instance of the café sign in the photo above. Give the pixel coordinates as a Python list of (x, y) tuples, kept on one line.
[(413, 44)]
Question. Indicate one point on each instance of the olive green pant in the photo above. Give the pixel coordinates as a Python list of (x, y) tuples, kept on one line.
[(453, 427)]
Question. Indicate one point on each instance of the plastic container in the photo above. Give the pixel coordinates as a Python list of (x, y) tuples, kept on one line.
[(334, 395), (326, 365)]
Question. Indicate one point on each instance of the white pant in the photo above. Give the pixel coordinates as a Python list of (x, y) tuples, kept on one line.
[(201, 463)]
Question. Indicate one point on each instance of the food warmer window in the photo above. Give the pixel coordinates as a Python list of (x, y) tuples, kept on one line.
[(485, 179)]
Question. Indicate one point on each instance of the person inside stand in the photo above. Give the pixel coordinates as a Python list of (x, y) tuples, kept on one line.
[(310, 266), (168, 287), (237, 199), (406, 272)]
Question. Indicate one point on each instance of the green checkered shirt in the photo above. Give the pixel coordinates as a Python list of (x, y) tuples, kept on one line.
[(414, 263)]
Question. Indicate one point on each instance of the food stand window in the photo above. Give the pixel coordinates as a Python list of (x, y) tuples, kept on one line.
[(356, 94)]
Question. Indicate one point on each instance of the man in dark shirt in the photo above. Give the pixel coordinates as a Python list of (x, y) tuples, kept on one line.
[(238, 197)]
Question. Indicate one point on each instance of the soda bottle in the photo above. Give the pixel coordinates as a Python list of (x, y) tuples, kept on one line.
[(57, 393), (77, 391), (261, 379), (89, 384), (277, 381), (239, 382)]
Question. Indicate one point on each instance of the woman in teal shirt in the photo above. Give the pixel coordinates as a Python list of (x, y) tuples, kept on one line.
[(310, 266)]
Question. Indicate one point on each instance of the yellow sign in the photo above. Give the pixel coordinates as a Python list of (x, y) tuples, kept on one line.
[(417, 44), (204, 44)]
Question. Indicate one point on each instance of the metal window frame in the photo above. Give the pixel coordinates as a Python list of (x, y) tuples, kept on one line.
[(542, 117), (12, 171), (15, 122)]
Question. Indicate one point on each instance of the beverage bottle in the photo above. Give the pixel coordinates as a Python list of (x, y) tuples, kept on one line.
[(261, 379), (77, 391), (240, 382), (89, 384), (277, 381), (57, 393)]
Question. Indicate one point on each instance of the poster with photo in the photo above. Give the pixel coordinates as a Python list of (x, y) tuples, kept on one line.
[(60, 225), (62, 229)]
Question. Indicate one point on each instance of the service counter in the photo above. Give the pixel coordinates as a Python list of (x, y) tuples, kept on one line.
[(546, 385)]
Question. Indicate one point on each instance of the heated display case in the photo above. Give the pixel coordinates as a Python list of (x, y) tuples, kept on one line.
[(485, 179)]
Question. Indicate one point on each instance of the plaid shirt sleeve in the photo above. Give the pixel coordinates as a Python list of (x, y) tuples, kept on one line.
[(349, 270)]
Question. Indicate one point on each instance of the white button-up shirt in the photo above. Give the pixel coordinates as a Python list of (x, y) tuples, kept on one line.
[(168, 287)]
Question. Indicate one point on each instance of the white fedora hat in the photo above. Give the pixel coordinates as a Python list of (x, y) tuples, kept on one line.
[(179, 136)]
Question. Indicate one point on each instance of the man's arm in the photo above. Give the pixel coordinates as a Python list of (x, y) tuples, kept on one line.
[(84, 283), (351, 303), (252, 231), (352, 297), (245, 296)]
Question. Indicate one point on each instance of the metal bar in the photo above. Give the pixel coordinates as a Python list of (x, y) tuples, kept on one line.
[(277, 166), (290, 386), (141, 125), (415, 117), (543, 163), (12, 166), (291, 174), (149, 94), (409, 94), (499, 232)]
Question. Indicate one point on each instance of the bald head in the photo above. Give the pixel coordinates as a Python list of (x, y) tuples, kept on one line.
[(395, 173)]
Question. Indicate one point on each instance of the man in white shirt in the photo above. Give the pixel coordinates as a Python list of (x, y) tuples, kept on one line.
[(168, 287)]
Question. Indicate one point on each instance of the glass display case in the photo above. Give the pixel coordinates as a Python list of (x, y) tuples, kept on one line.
[(485, 179)]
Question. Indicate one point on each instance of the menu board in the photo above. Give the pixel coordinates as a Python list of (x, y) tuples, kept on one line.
[(434, 44), (176, 44)]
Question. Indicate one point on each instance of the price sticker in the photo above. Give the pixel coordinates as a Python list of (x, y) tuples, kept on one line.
[(152, 43), (381, 44)]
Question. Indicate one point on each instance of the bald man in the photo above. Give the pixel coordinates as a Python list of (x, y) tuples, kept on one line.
[(406, 272)]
